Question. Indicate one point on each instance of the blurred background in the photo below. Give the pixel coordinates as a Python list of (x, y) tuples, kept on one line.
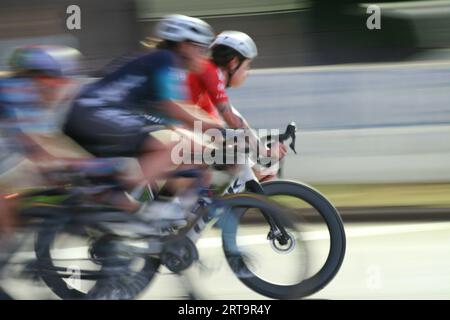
[(372, 106), (288, 32)]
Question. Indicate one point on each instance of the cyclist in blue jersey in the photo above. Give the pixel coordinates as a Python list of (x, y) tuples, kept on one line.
[(39, 81), (40, 76), (113, 116)]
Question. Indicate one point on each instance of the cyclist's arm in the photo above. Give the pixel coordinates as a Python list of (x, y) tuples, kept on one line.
[(178, 111), (33, 150), (214, 85), (10, 125), (231, 116), (235, 120)]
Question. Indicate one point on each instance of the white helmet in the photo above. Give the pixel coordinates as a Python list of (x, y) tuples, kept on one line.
[(180, 28), (239, 41)]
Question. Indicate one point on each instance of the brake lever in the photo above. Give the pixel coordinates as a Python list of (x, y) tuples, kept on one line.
[(292, 145), (289, 133)]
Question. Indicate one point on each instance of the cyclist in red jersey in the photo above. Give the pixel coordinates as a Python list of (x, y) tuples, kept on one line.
[(207, 88), (231, 55)]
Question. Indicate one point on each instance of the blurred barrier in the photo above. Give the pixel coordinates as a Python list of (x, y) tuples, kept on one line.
[(378, 155), (358, 123)]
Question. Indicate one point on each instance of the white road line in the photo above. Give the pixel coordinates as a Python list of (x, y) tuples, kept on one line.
[(257, 239), (351, 232), (396, 229)]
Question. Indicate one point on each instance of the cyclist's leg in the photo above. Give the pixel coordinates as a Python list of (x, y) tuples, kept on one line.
[(8, 219), (184, 159), (117, 132), (155, 158), (114, 132)]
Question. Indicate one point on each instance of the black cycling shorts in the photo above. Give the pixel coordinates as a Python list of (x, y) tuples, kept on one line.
[(109, 131)]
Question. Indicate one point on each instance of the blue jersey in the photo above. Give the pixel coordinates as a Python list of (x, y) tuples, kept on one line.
[(21, 107), (139, 84)]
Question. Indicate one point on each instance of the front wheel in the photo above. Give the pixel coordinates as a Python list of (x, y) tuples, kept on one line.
[(324, 228), (264, 247)]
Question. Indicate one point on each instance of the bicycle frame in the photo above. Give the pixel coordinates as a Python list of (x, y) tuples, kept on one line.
[(245, 179)]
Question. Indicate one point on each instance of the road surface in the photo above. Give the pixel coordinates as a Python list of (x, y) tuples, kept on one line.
[(383, 261)]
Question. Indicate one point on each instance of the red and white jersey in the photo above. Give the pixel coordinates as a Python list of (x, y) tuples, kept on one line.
[(207, 88)]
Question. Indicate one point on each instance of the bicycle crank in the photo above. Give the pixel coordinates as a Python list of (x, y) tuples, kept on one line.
[(178, 254)]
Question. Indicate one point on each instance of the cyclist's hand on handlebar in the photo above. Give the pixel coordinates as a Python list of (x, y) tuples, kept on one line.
[(277, 151)]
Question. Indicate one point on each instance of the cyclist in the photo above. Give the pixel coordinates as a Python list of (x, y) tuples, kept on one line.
[(232, 53), (113, 116), (40, 79)]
